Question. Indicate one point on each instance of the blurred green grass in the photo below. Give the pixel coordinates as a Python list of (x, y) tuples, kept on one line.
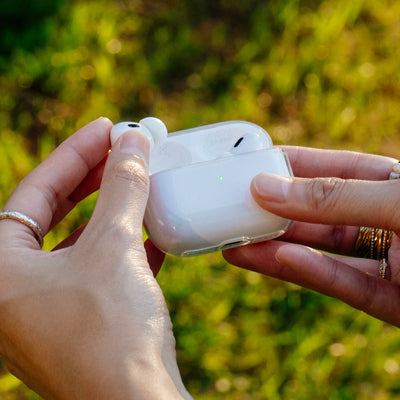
[(314, 73)]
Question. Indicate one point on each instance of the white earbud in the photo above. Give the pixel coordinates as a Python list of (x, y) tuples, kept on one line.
[(165, 154), (153, 128)]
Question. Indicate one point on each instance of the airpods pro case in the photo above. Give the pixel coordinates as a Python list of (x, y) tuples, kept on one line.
[(200, 198)]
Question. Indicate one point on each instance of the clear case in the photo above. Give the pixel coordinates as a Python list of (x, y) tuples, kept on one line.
[(202, 203)]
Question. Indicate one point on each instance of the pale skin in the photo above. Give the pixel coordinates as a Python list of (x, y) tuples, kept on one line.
[(87, 320), (333, 194)]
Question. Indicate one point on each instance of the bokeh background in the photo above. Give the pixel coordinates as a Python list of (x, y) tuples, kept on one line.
[(313, 73)]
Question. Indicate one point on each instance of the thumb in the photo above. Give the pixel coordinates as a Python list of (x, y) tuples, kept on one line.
[(125, 186)]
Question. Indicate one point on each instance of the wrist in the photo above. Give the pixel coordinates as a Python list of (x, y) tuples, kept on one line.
[(144, 377)]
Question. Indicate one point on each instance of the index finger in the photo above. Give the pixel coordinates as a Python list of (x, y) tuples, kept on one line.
[(310, 163), (331, 201), (47, 187)]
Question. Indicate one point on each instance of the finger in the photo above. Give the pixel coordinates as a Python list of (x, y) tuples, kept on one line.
[(333, 238), (351, 280), (309, 163), (261, 257), (48, 186), (124, 190), (89, 185), (155, 257), (375, 296), (331, 201)]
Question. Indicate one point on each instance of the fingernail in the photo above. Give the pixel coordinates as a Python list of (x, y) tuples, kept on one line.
[(104, 119), (290, 252), (135, 143), (272, 187)]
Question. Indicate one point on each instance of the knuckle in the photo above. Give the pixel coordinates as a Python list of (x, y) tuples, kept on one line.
[(123, 231), (134, 171), (353, 162), (323, 193), (337, 237), (367, 300), (333, 274)]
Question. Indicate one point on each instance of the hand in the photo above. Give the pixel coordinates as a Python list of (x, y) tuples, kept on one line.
[(328, 213), (87, 320)]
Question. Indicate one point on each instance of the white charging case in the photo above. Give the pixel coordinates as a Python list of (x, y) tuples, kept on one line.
[(200, 198)]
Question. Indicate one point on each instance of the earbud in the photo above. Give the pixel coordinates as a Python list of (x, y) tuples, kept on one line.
[(153, 128), (165, 154)]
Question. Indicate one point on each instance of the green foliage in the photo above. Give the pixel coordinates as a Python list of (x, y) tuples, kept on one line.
[(312, 73)]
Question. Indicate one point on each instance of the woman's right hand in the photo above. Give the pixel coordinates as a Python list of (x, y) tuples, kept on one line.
[(333, 194)]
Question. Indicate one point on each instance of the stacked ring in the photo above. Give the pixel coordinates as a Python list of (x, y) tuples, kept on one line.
[(375, 243), (384, 270)]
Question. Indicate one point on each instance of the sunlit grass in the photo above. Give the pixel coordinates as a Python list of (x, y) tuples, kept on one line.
[(311, 73)]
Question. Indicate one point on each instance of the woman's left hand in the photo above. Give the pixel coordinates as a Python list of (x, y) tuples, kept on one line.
[(88, 320), (328, 213)]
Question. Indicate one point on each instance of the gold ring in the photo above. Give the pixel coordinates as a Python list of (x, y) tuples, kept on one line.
[(373, 243), (384, 270), (24, 219)]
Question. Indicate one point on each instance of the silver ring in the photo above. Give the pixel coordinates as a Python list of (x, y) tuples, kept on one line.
[(395, 174), (24, 219)]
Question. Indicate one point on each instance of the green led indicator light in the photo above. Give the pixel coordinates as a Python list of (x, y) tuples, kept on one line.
[(221, 178)]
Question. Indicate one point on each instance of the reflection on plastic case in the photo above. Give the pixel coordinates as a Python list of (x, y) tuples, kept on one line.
[(200, 198)]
